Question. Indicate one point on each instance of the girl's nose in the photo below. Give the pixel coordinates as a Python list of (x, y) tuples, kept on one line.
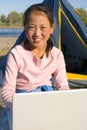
[(37, 32)]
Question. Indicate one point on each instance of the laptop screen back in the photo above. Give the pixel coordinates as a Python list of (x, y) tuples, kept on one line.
[(58, 110)]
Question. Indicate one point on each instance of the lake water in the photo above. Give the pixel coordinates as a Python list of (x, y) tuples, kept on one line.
[(10, 31)]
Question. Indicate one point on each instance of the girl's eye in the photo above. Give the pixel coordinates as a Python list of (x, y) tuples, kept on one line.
[(31, 27), (43, 28)]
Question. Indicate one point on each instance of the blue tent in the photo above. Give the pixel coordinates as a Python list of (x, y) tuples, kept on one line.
[(71, 37)]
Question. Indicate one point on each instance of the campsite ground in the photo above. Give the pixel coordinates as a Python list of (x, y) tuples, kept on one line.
[(5, 44)]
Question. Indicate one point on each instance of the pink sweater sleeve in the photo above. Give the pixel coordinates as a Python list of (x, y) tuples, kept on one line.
[(60, 73), (9, 83)]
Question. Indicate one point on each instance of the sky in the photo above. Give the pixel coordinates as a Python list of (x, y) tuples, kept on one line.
[(7, 6)]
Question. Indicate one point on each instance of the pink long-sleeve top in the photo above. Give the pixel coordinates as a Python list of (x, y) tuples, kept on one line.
[(25, 71)]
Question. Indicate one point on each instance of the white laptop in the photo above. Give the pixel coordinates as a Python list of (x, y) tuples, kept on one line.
[(55, 110)]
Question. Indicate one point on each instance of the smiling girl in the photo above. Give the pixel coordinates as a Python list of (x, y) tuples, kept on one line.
[(32, 65)]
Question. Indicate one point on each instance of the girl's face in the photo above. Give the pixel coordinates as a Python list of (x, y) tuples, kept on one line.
[(38, 29)]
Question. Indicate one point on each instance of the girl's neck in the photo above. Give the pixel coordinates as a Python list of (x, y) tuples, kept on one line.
[(36, 51), (39, 52)]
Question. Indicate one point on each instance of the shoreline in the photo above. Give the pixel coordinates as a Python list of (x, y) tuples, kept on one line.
[(3, 26)]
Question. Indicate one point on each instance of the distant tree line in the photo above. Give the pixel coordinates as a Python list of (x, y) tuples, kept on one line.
[(15, 19)]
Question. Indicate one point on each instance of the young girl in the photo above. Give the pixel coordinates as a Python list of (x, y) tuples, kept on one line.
[(32, 64)]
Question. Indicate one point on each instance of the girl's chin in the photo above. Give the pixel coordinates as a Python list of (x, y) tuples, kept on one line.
[(37, 41)]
